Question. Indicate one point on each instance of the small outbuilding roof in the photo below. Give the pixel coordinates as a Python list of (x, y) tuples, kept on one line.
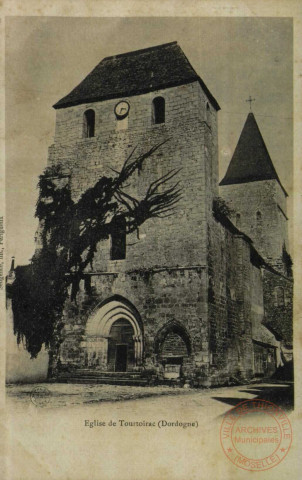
[(251, 161), (134, 73)]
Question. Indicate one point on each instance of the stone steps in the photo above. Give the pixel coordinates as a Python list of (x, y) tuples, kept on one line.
[(84, 371), (106, 378), (101, 374), (104, 381)]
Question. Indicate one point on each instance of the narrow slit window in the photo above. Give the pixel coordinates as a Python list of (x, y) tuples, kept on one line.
[(118, 240), (89, 124), (158, 110)]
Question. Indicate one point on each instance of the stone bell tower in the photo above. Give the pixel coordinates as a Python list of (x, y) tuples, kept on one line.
[(148, 292), (253, 190)]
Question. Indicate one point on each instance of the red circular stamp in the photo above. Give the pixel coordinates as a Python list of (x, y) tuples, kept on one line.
[(256, 435)]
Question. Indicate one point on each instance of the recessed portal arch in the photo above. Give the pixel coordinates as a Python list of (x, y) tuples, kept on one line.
[(175, 328), (172, 347), (114, 327)]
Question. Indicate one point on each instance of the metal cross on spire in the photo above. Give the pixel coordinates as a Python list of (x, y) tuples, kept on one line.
[(250, 100)]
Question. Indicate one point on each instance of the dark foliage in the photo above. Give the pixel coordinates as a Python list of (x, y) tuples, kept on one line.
[(221, 208), (38, 296), (70, 233), (285, 372), (287, 260)]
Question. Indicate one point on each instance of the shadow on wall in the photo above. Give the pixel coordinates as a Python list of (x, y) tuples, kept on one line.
[(20, 368)]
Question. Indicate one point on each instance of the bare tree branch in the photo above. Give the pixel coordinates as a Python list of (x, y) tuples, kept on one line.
[(153, 205), (128, 168)]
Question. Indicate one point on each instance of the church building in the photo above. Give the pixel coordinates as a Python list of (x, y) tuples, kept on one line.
[(204, 294)]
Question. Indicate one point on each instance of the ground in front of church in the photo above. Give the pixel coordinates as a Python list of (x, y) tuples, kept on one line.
[(20, 396)]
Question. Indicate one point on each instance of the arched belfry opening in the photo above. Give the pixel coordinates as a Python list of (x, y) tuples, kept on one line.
[(89, 123), (158, 110), (114, 336), (173, 348)]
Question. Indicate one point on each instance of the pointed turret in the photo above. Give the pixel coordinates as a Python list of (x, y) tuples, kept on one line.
[(253, 190), (251, 161)]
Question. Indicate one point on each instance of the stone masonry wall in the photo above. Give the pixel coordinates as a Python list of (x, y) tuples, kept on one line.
[(164, 274), (191, 130), (269, 233), (278, 307), (161, 297), (230, 335), (236, 305), (187, 268), (259, 331)]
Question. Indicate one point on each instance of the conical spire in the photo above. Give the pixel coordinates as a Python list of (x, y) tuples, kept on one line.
[(251, 161)]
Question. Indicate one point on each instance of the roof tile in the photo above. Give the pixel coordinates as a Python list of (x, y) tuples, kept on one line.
[(135, 73)]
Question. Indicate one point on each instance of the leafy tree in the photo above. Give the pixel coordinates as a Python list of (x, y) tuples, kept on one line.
[(70, 233)]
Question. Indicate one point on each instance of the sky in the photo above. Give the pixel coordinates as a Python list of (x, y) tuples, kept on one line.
[(46, 57)]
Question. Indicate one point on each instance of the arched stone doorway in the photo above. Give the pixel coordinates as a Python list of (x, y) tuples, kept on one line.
[(114, 337), (173, 349), (121, 355)]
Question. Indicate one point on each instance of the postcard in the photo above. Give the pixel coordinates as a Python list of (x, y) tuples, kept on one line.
[(149, 241)]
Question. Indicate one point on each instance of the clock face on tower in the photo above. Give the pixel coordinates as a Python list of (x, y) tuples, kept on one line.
[(121, 109)]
